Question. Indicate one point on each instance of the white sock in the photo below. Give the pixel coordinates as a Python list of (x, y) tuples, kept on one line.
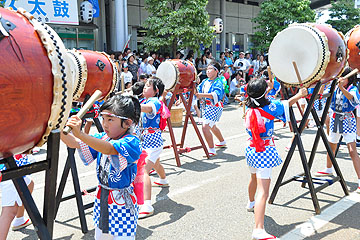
[(147, 202), (163, 181), (251, 204), (329, 170), (359, 182), (18, 221), (222, 143), (212, 150), (357, 137)]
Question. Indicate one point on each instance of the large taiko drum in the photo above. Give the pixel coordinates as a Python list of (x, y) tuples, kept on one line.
[(353, 43), (93, 71), (35, 80), (318, 50), (176, 72)]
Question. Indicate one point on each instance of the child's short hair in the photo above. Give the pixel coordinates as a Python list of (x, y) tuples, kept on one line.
[(124, 106), (138, 88), (256, 90), (157, 84)]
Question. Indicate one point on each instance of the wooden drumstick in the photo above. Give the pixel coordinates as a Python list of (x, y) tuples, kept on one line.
[(269, 73), (297, 73), (96, 95), (353, 72)]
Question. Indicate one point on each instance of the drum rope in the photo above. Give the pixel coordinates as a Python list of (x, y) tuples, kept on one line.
[(61, 63), (77, 88)]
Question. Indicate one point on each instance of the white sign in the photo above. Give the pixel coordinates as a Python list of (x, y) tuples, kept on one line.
[(49, 11)]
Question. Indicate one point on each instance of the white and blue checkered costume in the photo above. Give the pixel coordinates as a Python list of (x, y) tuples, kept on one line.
[(20, 159), (151, 136), (213, 107), (115, 172), (270, 157), (344, 107)]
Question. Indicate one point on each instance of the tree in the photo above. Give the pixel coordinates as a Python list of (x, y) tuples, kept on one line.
[(343, 15), (2, 3), (177, 24), (276, 15)]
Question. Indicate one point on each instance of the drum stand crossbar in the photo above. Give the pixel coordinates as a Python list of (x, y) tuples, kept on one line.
[(71, 165), (306, 176), (43, 225), (188, 116)]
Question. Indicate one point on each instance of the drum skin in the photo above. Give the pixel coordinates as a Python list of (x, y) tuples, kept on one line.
[(26, 91), (337, 46), (97, 78), (353, 41), (183, 70)]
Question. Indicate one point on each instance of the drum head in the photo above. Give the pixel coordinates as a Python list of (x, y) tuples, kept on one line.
[(167, 72), (304, 45)]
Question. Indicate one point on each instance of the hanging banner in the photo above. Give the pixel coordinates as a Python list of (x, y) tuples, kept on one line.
[(49, 11)]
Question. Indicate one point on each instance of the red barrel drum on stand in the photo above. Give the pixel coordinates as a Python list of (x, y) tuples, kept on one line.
[(35, 79), (318, 49), (176, 71)]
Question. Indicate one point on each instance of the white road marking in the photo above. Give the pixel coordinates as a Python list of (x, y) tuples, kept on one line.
[(309, 227)]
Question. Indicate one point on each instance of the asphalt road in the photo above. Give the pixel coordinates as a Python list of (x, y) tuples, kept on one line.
[(207, 197)]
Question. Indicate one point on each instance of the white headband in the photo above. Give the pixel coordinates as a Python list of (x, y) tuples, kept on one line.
[(254, 99)]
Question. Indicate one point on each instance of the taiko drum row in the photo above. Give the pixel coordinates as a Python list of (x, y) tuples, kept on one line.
[(39, 79)]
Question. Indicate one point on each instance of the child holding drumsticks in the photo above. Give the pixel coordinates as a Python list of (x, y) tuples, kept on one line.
[(343, 122), (261, 155), (115, 152)]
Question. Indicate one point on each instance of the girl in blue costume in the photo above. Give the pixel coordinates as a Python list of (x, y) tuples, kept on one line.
[(343, 123), (261, 154), (212, 90), (151, 140), (115, 152)]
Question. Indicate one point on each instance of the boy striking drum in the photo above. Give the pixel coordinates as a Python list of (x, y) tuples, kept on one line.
[(213, 91)]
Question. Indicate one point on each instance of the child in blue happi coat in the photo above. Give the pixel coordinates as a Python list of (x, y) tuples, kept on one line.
[(343, 122), (115, 152), (261, 154), (211, 91), (151, 140)]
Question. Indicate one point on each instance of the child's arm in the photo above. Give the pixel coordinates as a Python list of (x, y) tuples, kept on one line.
[(346, 93), (204, 95), (69, 140), (302, 93), (146, 108), (97, 144)]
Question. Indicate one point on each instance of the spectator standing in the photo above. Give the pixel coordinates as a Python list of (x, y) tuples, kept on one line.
[(202, 65), (133, 68), (150, 69)]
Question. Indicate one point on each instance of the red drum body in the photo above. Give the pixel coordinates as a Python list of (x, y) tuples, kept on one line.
[(96, 72), (353, 44), (31, 104), (318, 49), (176, 72)]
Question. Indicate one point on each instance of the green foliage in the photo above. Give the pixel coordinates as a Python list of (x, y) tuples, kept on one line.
[(177, 24), (343, 15), (2, 3), (276, 15)]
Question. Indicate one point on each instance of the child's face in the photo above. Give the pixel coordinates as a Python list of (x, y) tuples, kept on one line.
[(112, 126), (148, 91)]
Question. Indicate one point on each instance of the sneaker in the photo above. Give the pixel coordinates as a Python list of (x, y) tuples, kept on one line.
[(218, 145), (161, 183), (323, 173), (262, 235), (287, 148), (152, 172), (146, 211), (25, 224), (358, 190)]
